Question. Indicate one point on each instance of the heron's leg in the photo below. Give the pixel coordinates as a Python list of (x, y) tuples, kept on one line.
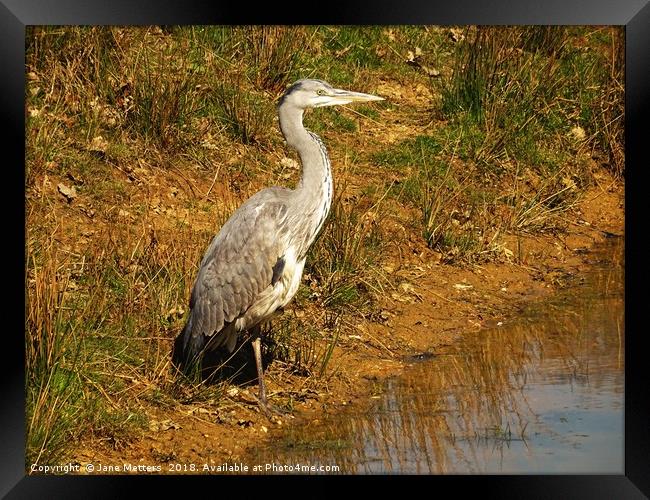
[(257, 349), (267, 408)]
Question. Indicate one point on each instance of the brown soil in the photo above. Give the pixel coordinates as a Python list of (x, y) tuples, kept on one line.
[(430, 305)]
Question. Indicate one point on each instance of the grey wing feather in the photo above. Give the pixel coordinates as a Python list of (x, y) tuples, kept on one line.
[(238, 264)]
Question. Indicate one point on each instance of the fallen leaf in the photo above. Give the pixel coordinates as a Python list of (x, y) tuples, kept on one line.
[(70, 193), (163, 425), (289, 163), (578, 134)]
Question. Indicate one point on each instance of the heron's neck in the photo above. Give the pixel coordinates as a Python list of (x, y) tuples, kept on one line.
[(314, 191), (316, 180)]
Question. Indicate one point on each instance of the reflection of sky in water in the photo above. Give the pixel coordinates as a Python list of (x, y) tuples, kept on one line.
[(573, 433), (542, 395)]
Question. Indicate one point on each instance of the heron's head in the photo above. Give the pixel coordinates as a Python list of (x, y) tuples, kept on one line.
[(317, 93)]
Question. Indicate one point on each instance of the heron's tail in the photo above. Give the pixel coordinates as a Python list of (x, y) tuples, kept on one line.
[(187, 350)]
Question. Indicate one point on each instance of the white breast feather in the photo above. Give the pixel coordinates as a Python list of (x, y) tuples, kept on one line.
[(275, 296)]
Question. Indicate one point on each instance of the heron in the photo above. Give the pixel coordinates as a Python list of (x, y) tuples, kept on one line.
[(253, 266)]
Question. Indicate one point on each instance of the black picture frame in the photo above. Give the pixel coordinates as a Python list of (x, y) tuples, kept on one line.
[(15, 15)]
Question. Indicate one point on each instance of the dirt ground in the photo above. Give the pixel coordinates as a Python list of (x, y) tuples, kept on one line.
[(433, 305)]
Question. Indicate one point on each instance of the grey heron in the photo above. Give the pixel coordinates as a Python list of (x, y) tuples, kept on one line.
[(254, 265)]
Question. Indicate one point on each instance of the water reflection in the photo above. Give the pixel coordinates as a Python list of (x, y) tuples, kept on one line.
[(543, 394)]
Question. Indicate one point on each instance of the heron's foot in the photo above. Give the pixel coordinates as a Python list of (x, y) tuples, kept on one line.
[(270, 410)]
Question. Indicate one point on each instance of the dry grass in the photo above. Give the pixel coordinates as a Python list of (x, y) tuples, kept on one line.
[(343, 263), (50, 348), (248, 118)]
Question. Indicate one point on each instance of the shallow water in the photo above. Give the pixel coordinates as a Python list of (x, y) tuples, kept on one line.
[(540, 394)]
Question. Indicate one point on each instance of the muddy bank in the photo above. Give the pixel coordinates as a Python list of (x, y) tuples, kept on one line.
[(432, 305)]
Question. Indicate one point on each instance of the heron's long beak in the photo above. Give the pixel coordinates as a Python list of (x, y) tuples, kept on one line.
[(339, 96), (350, 96)]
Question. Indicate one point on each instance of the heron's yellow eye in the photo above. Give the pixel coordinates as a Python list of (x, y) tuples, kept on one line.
[(320, 92)]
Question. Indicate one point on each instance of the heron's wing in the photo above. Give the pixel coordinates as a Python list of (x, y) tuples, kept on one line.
[(239, 263)]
